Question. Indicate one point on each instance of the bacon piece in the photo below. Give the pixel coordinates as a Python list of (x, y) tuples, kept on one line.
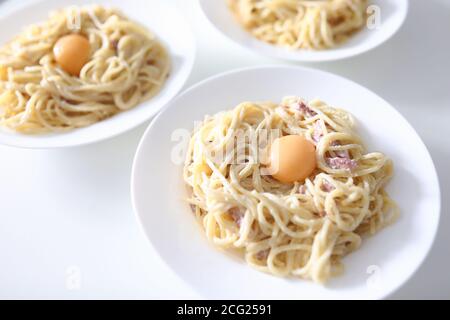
[(342, 163), (307, 111), (318, 132), (327, 187), (302, 189), (263, 254), (340, 153), (237, 215), (114, 44)]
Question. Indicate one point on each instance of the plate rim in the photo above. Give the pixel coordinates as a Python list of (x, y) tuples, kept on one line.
[(137, 157)]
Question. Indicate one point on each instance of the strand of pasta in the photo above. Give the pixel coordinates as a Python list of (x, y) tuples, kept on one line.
[(301, 24), (300, 229), (128, 66)]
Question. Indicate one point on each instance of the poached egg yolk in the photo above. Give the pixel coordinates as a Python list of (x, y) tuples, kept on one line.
[(292, 159), (72, 52)]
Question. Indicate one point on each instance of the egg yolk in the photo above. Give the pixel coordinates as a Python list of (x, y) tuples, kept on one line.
[(292, 158), (72, 52)]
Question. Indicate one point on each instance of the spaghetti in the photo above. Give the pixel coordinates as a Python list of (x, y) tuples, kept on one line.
[(300, 229), (301, 24), (126, 66)]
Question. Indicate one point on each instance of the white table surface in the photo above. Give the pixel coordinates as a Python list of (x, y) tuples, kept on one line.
[(67, 228)]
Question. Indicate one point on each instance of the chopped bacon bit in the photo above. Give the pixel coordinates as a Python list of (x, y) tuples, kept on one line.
[(340, 153), (237, 215), (263, 254), (318, 132), (327, 187), (114, 44), (302, 189), (334, 21), (193, 208), (342, 163), (305, 109), (322, 214)]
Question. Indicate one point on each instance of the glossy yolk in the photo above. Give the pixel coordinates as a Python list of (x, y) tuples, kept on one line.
[(72, 52), (292, 158)]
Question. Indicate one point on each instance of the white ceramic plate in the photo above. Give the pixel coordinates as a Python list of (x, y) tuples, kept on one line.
[(163, 19), (392, 13), (384, 262)]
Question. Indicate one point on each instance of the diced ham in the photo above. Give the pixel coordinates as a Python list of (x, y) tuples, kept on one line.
[(322, 214), (340, 153), (342, 163), (318, 132), (237, 215), (327, 187), (114, 44), (302, 189), (307, 111), (342, 159), (263, 254)]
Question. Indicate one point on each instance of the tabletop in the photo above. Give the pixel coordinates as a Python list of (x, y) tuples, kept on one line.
[(67, 227)]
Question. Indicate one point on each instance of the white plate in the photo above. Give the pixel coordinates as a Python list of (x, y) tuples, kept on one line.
[(392, 13), (384, 262), (162, 18)]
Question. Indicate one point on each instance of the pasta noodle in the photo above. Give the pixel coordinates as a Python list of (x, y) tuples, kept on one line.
[(301, 229), (127, 65), (301, 24)]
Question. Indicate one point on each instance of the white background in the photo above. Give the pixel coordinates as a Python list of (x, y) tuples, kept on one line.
[(66, 214)]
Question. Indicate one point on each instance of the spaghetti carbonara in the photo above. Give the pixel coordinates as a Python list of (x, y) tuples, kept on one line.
[(301, 24), (300, 229), (120, 64)]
